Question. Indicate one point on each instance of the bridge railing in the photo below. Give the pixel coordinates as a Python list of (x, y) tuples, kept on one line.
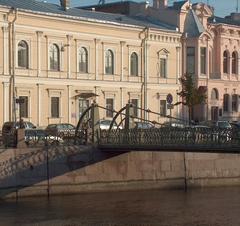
[(170, 137)]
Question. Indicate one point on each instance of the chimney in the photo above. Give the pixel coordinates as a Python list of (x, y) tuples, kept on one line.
[(160, 4), (65, 4)]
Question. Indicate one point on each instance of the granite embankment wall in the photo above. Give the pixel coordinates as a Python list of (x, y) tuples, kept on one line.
[(68, 170)]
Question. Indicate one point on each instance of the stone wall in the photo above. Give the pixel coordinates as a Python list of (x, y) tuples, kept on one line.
[(83, 169)]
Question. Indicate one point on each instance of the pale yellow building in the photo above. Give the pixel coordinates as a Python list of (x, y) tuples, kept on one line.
[(210, 50), (57, 59)]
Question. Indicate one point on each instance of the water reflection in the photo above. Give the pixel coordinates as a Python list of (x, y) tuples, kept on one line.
[(207, 207)]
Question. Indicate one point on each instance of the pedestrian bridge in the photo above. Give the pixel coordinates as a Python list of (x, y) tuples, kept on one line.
[(91, 144)]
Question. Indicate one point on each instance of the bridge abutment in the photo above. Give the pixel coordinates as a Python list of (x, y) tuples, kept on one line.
[(74, 169)]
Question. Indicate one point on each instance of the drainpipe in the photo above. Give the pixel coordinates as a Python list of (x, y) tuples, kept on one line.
[(12, 61), (144, 37)]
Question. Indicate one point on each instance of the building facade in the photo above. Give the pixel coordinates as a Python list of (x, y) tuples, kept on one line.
[(210, 50), (58, 60)]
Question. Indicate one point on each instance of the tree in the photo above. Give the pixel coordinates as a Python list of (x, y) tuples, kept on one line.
[(190, 94)]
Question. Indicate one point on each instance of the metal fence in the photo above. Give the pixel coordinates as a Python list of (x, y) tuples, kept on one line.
[(38, 138), (171, 138)]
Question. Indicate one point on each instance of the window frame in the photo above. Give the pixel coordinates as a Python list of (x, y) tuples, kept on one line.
[(191, 56), (135, 68), (226, 62), (58, 111), (55, 66), (235, 63), (163, 111), (24, 107), (106, 60), (25, 64), (86, 57), (203, 60), (235, 103), (226, 102), (216, 93), (109, 113), (135, 110)]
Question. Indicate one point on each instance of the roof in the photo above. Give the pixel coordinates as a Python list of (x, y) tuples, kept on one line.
[(177, 5), (220, 20), (193, 26), (81, 14)]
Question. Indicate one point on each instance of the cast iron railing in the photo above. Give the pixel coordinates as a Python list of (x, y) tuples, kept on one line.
[(170, 138)]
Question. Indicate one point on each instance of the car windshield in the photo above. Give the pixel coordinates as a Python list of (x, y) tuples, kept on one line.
[(224, 125), (143, 125), (105, 122), (69, 126), (30, 125)]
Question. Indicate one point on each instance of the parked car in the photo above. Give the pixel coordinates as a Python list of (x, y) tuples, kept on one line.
[(9, 132), (144, 125), (221, 124), (235, 125), (104, 124), (60, 131), (177, 124)]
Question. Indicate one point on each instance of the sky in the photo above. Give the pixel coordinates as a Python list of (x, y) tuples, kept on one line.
[(222, 7)]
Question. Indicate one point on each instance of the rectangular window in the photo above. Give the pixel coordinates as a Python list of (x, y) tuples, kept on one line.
[(23, 106), (55, 107), (83, 105), (163, 67), (235, 102), (190, 60), (163, 107), (203, 60), (109, 106), (135, 106)]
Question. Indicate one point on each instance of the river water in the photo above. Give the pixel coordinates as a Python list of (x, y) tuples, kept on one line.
[(200, 207)]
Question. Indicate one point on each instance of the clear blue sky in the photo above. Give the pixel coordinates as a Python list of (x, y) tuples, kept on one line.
[(222, 7)]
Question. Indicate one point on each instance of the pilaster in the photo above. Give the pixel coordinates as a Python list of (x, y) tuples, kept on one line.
[(6, 102), (96, 41), (122, 43), (5, 50), (39, 36), (69, 41)]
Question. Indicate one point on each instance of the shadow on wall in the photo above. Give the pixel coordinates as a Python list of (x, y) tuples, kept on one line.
[(24, 170)]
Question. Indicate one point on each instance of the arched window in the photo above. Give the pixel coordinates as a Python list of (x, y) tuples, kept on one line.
[(23, 54), (225, 62), (83, 60), (226, 102), (54, 57), (109, 61), (234, 63), (134, 64), (214, 94), (235, 102)]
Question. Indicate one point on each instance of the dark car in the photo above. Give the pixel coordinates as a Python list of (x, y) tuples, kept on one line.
[(221, 124), (144, 125), (60, 131), (9, 132)]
